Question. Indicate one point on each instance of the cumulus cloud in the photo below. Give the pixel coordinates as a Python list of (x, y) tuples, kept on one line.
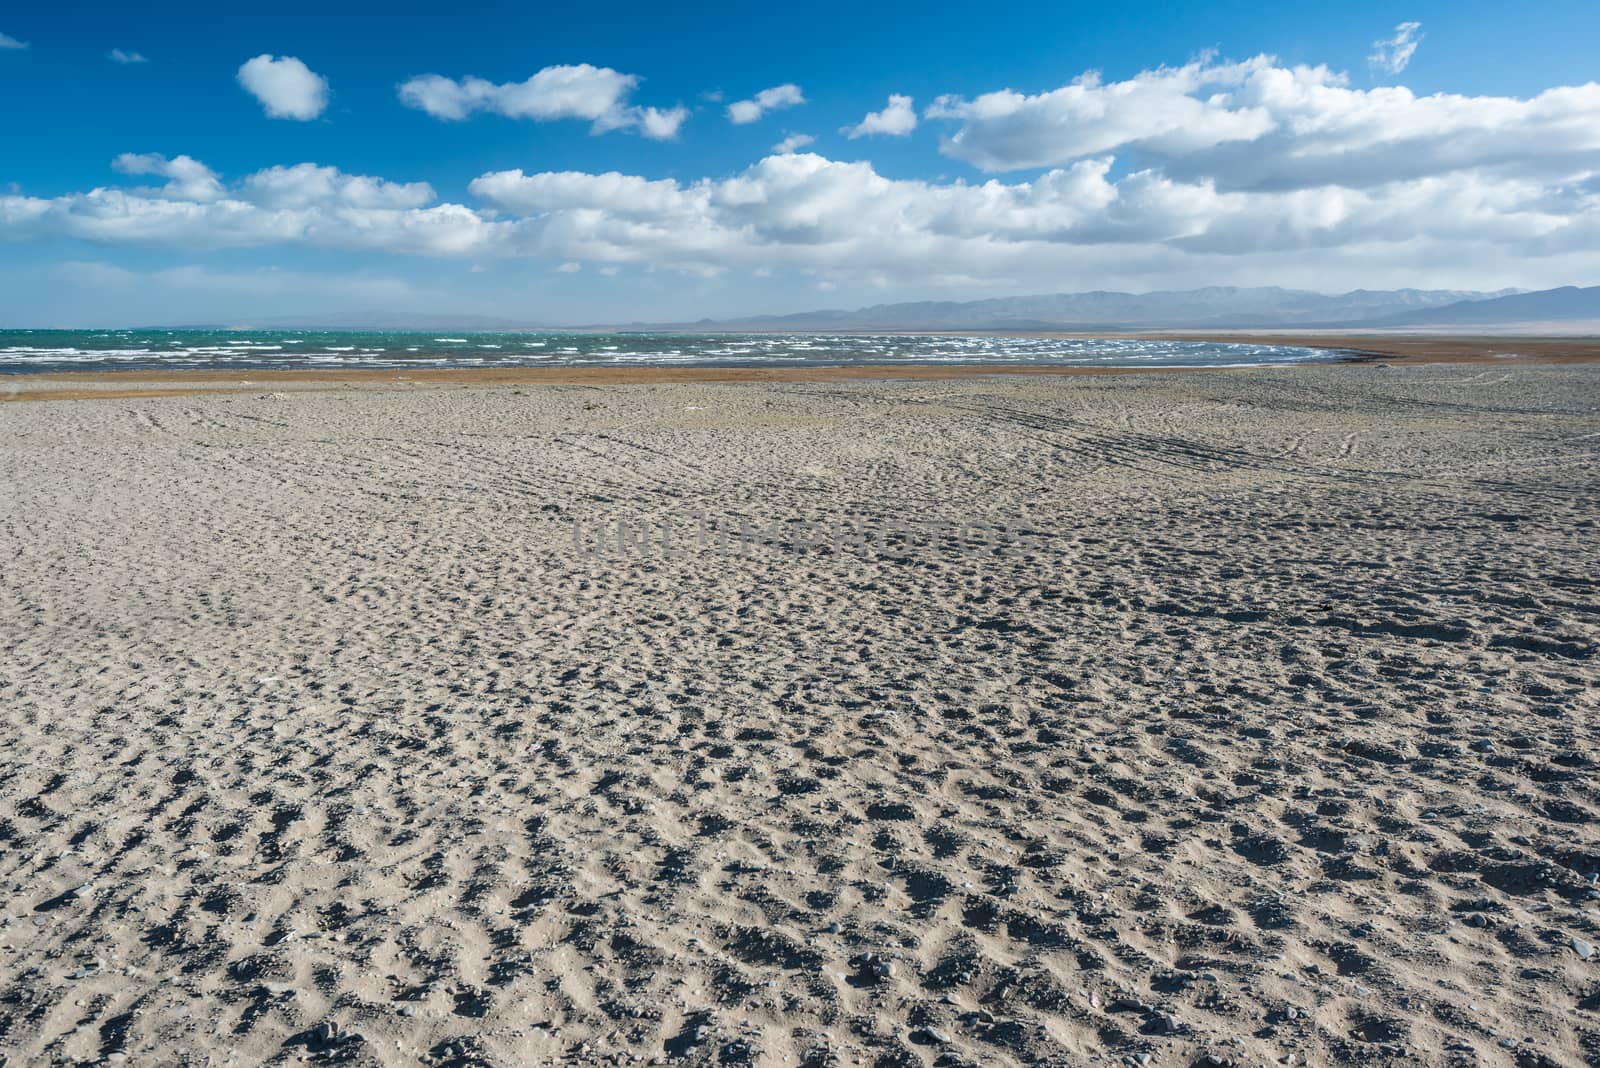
[(11, 44), (658, 124), (304, 204), (1393, 54), (117, 55), (554, 191), (803, 210), (188, 179), (896, 120), (597, 95), (793, 143), (306, 184), (286, 87), (1173, 110), (742, 112), (1259, 125), (1493, 221)]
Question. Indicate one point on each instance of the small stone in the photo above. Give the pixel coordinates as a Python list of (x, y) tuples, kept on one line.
[(1583, 949), (872, 966), (930, 1036)]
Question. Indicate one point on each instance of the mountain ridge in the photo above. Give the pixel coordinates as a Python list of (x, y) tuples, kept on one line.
[(1564, 303), (1216, 307), (1231, 308)]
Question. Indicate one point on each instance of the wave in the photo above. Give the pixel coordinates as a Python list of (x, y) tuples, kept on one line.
[(41, 350)]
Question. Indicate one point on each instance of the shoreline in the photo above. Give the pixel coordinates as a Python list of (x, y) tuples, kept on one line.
[(1357, 349)]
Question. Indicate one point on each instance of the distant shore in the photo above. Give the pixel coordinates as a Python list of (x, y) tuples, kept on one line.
[(1360, 348)]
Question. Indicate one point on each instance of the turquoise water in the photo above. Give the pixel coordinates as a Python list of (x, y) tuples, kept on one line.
[(25, 351)]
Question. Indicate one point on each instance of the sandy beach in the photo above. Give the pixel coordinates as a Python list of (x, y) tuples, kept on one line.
[(1226, 718)]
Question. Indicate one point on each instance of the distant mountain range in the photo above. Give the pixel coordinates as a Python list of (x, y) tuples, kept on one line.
[(1216, 307), (1212, 308), (1568, 304)]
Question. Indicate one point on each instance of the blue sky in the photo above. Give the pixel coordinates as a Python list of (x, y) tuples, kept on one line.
[(1234, 144)]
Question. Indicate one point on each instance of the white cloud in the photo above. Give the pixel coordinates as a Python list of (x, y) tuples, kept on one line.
[(742, 112), (117, 55), (802, 210), (897, 119), (569, 268), (303, 204), (9, 44), (307, 184), (658, 124), (1495, 220), (1393, 55), (286, 87), (554, 191), (1161, 109), (1258, 125), (792, 143), (188, 179), (597, 95)]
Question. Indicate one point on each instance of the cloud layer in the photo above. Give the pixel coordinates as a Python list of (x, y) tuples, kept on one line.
[(1257, 125), (286, 87), (11, 44), (1178, 175), (805, 211), (300, 205), (597, 95)]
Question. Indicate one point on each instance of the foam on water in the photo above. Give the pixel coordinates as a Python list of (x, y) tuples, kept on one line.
[(24, 351)]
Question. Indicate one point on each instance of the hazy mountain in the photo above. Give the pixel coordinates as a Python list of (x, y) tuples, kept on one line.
[(1214, 307), (1566, 304)]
